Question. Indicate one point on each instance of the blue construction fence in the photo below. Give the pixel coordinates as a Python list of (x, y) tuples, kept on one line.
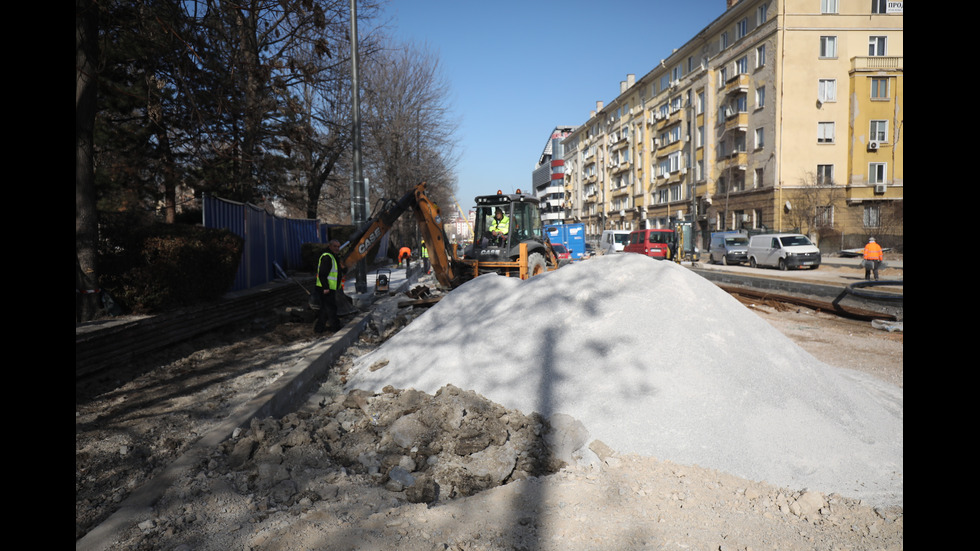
[(269, 240)]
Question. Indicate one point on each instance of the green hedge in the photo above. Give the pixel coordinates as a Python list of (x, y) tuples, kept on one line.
[(163, 266)]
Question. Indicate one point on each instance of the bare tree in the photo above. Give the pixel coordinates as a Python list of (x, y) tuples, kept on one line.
[(813, 203), (323, 142), (890, 224), (86, 224), (409, 129)]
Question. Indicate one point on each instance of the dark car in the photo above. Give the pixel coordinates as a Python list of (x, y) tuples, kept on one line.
[(729, 248)]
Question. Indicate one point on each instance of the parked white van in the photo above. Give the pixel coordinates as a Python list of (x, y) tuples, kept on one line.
[(613, 241), (783, 250)]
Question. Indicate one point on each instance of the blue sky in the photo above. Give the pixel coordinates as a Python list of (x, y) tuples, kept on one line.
[(518, 68)]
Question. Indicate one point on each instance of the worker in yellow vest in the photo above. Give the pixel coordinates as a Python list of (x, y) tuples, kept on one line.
[(425, 257), (499, 227), (328, 275)]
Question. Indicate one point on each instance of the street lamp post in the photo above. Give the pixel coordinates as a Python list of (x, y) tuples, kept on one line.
[(358, 191)]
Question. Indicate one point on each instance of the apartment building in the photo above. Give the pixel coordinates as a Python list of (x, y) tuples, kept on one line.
[(548, 177), (782, 115)]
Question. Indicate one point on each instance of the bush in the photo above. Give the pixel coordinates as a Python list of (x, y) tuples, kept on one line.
[(162, 266)]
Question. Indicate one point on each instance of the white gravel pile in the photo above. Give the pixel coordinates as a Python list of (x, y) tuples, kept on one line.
[(657, 361)]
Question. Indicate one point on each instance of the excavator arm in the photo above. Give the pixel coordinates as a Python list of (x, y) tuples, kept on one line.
[(441, 254)]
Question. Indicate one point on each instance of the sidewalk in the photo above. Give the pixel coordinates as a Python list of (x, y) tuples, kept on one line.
[(856, 262), (399, 280)]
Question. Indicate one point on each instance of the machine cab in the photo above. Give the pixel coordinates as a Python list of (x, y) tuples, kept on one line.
[(502, 223)]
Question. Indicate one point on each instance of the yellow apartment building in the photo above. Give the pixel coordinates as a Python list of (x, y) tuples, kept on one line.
[(780, 115)]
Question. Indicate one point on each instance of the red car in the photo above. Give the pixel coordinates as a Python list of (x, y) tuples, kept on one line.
[(561, 252), (653, 243)]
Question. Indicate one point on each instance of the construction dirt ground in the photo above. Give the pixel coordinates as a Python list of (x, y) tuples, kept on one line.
[(337, 474)]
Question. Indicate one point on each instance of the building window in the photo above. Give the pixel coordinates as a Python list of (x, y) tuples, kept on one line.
[(828, 47), (758, 181), (742, 65), (760, 97), (761, 13), (828, 6), (722, 76), (825, 216), (723, 40), (742, 103), (879, 88), (825, 175), (879, 131), (741, 28), (700, 106), (760, 56), (876, 173), (738, 181), (760, 138), (879, 6), (700, 136), (827, 90), (825, 132), (872, 216), (876, 46)]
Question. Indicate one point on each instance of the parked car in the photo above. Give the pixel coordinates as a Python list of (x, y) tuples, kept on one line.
[(728, 247), (613, 241), (561, 251), (655, 243), (783, 250)]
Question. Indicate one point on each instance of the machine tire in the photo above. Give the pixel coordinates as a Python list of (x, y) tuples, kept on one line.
[(536, 264)]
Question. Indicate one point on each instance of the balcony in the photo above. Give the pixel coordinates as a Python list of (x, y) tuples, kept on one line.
[(737, 84), (617, 168), (619, 191), (869, 192), (737, 121), (877, 63), (737, 160)]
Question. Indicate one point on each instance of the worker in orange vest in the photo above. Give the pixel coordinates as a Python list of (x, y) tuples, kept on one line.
[(404, 254), (873, 256)]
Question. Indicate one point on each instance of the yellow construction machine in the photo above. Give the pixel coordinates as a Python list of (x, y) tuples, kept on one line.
[(523, 250)]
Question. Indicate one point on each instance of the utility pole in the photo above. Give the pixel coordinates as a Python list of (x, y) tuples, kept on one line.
[(358, 189)]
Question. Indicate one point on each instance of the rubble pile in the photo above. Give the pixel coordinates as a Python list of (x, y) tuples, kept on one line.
[(419, 448)]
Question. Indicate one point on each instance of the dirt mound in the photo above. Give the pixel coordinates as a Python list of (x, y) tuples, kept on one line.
[(432, 448)]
